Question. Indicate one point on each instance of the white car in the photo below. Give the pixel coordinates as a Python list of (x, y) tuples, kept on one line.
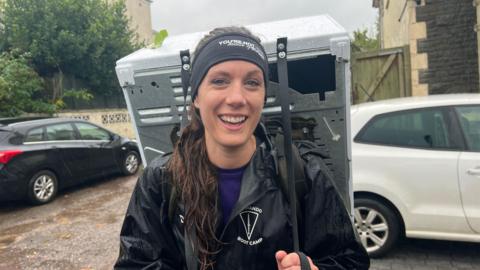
[(416, 169)]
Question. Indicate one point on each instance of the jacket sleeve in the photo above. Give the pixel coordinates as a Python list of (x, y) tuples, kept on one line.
[(329, 236), (146, 237)]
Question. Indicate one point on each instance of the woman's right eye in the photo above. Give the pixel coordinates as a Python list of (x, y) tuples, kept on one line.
[(219, 81)]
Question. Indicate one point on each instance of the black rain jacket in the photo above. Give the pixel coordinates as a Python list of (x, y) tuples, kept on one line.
[(260, 223)]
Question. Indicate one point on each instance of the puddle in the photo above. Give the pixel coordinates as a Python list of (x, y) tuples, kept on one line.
[(111, 218), (6, 240), (21, 228)]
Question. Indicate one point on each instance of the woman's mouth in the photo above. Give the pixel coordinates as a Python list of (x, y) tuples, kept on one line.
[(233, 120), (233, 123)]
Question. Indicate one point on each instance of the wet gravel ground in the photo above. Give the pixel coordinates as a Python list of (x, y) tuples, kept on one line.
[(419, 254), (79, 230)]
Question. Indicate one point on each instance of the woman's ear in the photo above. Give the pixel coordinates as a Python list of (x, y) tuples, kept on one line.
[(195, 103)]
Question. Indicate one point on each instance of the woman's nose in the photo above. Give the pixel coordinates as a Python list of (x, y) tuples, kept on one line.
[(236, 95)]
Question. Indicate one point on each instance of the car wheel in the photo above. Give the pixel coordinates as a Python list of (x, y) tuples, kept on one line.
[(377, 225), (131, 163), (42, 187)]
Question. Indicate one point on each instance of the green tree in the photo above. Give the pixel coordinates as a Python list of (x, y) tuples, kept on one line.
[(20, 87), (363, 42), (75, 38)]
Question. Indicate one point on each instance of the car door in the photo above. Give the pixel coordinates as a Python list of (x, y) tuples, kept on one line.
[(100, 145), (412, 157), (70, 148), (469, 164)]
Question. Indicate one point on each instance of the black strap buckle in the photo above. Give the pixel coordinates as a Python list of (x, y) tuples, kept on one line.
[(185, 73)]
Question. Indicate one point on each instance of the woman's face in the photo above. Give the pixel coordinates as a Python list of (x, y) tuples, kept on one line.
[(230, 100)]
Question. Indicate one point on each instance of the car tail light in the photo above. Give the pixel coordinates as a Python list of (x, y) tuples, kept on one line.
[(5, 156)]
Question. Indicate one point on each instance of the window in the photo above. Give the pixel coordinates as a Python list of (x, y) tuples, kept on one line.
[(91, 132), (34, 135), (60, 132), (470, 121), (427, 128), (4, 134)]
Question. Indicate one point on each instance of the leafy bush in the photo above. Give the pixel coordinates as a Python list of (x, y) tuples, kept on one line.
[(20, 87)]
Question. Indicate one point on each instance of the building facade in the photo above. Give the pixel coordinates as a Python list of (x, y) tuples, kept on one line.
[(442, 38), (138, 12)]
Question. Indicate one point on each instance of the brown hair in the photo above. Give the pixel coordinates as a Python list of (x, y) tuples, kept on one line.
[(194, 177)]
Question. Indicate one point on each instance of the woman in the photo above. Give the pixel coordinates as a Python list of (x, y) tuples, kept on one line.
[(223, 171)]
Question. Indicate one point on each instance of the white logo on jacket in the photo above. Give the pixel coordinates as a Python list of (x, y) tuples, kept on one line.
[(249, 219)]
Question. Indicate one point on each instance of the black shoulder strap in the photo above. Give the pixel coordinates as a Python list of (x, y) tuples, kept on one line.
[(287, 129), (185, 73), (301, 185), (304, 263), (190, 257), (189, 237), (172, 203), (170, 194)]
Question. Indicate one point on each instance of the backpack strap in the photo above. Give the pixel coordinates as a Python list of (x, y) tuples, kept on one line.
[(185, 74), (172, 202), (304, 263), (285, 100), (190, 255), (301, 185), (170, 194)]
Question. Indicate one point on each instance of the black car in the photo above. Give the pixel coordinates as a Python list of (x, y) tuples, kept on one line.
[(40, 157)]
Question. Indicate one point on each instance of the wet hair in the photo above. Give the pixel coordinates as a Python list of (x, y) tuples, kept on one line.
[(194, 177)]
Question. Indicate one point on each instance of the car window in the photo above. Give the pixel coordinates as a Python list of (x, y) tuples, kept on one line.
[(4, 134), (60, 132), (426, 128), (470, 121), (34, 135), (91, 132)]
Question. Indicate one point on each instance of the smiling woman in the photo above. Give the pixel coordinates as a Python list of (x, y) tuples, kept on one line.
[(217, 200), (230, 102)]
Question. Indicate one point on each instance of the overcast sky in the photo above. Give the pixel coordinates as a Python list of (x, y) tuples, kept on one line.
[(186, 16)]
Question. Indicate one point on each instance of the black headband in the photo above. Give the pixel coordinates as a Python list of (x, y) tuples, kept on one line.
[(228, 46)]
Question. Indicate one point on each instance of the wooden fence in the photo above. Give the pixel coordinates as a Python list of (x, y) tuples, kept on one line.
[(381, 74)]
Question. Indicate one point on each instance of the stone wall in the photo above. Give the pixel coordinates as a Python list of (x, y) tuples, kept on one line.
[(116, 120), (451, 46), (138, 11), (476, 3), (395, 14), (399, 28), (419, 59)]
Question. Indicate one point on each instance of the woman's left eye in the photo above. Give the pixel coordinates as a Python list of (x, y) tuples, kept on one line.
[(252, 83), (219, 81)]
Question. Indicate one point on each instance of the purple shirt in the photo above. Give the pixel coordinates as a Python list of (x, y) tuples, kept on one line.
[(229, 183)]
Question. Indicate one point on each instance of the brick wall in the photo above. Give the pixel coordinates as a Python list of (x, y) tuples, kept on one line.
[(451, 46)]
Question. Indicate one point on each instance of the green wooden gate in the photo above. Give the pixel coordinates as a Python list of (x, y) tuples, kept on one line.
[(381, 74)]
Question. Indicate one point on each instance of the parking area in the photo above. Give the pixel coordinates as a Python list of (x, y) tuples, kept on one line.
[(79, 230), (418, 254)]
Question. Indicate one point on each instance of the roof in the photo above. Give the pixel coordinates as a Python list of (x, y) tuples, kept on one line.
[(39, 122), (415, 102), (362, 113), (11, 120), (304, 34)]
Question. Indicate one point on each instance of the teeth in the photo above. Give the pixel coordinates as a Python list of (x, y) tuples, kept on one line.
[(233, 119)]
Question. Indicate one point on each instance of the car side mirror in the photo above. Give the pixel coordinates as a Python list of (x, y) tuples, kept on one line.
[(114, 137)]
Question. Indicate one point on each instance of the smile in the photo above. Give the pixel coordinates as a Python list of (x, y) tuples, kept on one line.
[(233, 119)]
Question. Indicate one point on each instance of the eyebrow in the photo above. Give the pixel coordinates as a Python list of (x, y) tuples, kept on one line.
[(224, 73), (254, 72)]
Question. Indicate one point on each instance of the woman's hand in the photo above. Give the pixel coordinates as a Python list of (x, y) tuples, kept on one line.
[(290, 261)]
